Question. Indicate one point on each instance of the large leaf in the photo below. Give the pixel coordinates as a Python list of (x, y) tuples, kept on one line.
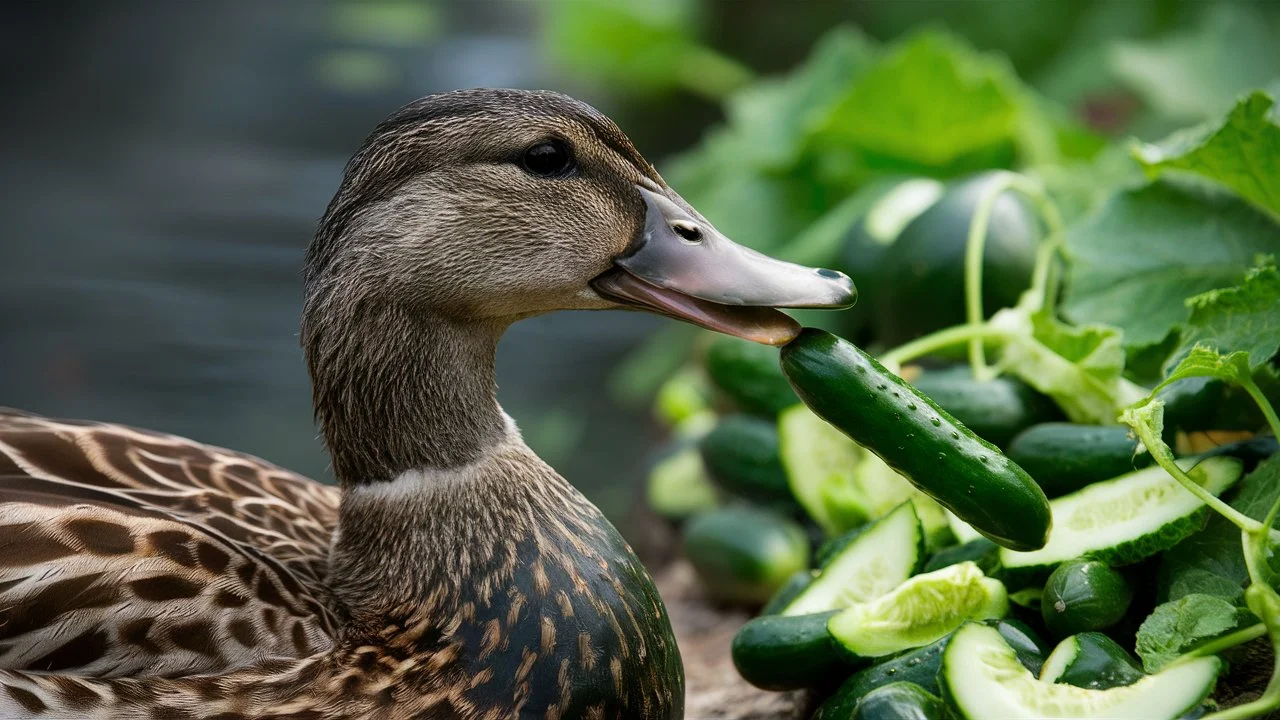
[(1245, 318), (929, 102), (1198, 73), (1137, 260), (648, 44), (1241, 152), (772, 117)]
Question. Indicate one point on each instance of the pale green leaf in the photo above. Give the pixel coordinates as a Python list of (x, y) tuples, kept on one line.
[(1241, 152), (931, 100)]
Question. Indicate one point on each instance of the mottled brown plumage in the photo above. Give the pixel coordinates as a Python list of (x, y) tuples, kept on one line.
[(454, 574)]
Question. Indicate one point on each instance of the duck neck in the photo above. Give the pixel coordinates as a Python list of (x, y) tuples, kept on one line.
[(399, 390)]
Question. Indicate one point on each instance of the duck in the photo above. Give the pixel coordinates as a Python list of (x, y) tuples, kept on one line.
[(450, 572)]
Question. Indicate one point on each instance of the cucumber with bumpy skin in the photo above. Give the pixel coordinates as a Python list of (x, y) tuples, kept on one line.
[(941, 457), (1126, 519), (920, 611), (982, 679), (878, 560), (995, 410)]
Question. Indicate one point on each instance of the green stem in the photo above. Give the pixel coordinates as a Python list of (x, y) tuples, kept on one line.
[(1226, 642), (946, 337), (1262, 600), (976, 245), (1264, 404), (1164, 457)]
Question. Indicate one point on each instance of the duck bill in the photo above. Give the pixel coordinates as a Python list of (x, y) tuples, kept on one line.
[(682, 267)]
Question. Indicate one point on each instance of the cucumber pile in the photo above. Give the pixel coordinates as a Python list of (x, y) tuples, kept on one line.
[(911, 522)]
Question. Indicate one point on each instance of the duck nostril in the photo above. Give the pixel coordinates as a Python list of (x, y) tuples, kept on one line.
[(687, 230), (829, 274)]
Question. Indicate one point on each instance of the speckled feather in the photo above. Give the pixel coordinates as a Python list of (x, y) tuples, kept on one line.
[(454, 575)]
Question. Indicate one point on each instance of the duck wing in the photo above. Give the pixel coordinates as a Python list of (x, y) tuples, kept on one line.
[(127, 552)]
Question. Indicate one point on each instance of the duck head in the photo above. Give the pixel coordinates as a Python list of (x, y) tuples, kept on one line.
[(493, 205)]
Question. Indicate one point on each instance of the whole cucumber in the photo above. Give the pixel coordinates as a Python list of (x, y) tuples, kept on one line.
[(886, 415)]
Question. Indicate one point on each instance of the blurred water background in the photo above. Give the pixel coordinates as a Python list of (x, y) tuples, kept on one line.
[(164, 163)]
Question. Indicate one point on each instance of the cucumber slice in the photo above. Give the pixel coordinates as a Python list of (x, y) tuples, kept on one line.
[(920, 611), (1091, 660), (882, 489), (878, 560), (984, 680), (819, 461), (1126, 519)]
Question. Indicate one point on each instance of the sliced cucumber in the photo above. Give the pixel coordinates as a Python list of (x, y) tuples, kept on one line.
[(962, 530), (1091, 660), (882, 489), (983, 679), (878, 560), (819, 461), (1126, 519), (920, 611)]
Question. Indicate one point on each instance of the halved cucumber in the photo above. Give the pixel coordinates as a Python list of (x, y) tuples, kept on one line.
[(878, 560), (1126, 519), (882, 489), (1091, 660), (920, 611), (984, 680), (819, 461)]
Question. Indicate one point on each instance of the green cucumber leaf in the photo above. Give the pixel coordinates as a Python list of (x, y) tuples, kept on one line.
[(1211, 562), (1180, 625), (1241, 152), (1241, 319), (1201, 361), (930, 102), (1196, 73), (1136, 261), (771, 118), (650, 46)]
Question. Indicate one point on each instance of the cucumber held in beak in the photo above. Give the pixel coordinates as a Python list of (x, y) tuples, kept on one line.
[(682, 267)]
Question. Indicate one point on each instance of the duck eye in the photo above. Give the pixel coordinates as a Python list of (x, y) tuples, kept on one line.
[(548, 159)]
